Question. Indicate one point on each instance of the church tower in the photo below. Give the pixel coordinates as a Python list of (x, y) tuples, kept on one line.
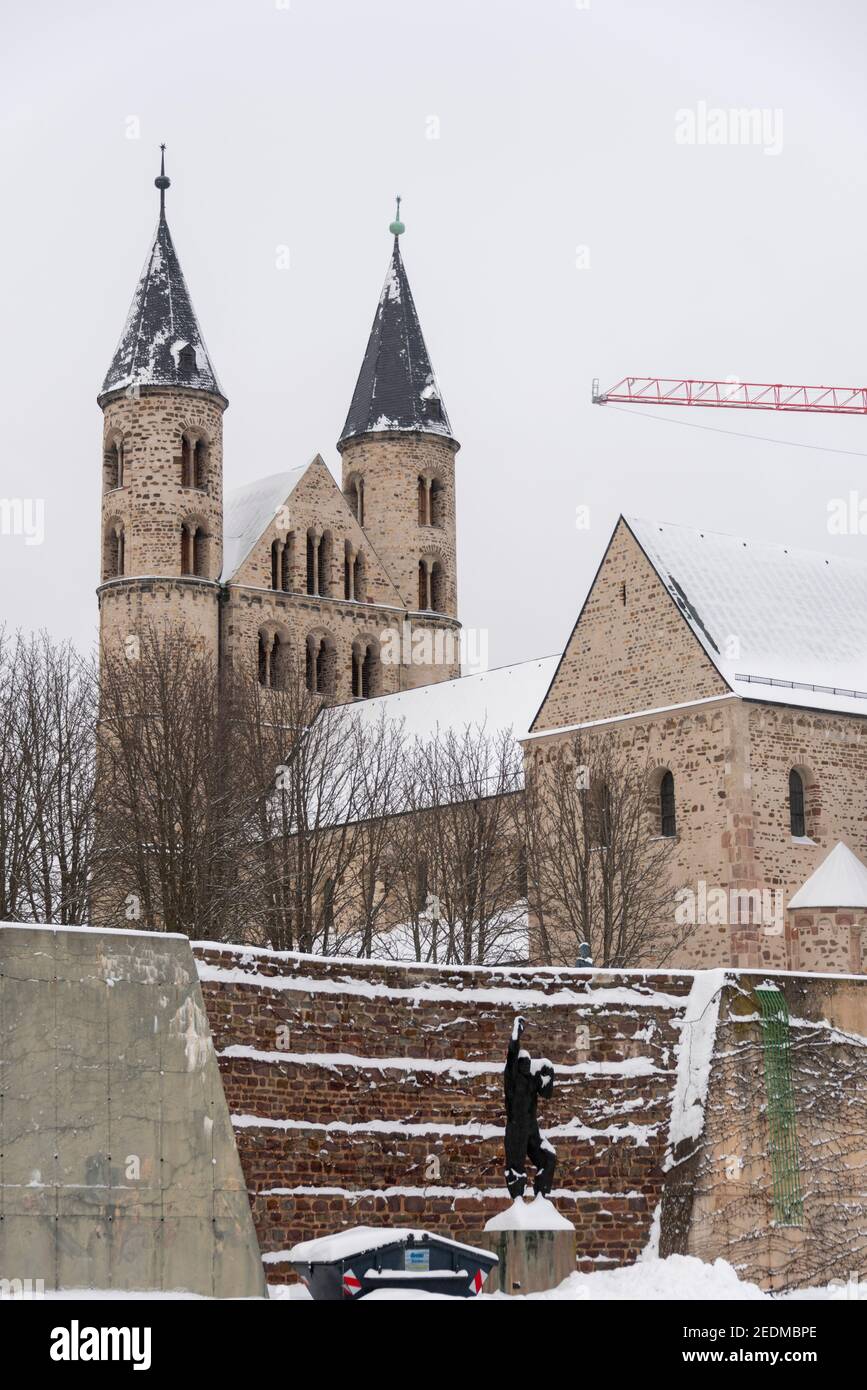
[(162, 462), (398, 453)]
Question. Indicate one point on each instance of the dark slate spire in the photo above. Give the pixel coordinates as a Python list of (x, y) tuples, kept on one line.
[(161, 344), (396, 387)]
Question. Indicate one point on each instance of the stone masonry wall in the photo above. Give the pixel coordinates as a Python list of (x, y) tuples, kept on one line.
[(719, 1191), (630, 650), (152, 503), (372, 1092), (390, 466)]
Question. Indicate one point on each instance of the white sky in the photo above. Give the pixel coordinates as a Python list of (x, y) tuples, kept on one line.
[(295, 126)]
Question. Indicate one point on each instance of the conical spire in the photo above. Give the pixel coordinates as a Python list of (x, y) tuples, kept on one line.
[(161, 344), (396, 387)]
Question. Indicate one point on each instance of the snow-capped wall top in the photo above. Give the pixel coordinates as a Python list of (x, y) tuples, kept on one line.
[(781, 625), (396, 387), (248, 510), (839, 881), (161, 343)]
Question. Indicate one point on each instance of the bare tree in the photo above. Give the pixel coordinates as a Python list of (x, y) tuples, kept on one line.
[(168, 812), (599, 872), (47, 696), (306, 790), (457, 855)]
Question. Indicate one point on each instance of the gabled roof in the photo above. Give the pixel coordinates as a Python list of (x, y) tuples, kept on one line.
[(248, 510), (396, 387), (839, 881), (781, 625), (161, 343)]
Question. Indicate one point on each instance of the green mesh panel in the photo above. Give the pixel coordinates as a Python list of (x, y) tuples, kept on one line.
[(785, 1166)]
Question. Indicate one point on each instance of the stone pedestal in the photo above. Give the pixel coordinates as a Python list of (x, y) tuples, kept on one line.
[(529, 1261)]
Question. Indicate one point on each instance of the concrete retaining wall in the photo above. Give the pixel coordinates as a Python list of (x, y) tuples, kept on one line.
[(118, 1166)]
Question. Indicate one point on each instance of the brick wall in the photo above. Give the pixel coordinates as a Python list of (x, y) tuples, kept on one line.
[(370, 1092)]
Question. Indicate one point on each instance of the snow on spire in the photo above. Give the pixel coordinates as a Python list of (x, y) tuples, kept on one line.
[(161, 343), (396, 388)]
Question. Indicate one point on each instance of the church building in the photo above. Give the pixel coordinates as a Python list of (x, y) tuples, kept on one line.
[(734, 671)]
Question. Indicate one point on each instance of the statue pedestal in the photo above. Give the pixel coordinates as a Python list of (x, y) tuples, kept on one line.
[(535, 1247)]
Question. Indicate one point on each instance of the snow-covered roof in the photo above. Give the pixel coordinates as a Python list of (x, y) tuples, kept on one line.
[(396, 388), (497, 700), (161, 343), (782, 625), (248, 510), (839, 881), (356, 1240)]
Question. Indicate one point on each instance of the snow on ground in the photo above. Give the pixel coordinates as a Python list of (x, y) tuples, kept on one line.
[(678, 1277), (650, 1280)]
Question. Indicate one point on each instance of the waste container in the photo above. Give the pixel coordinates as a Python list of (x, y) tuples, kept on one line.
[(356, 1261)]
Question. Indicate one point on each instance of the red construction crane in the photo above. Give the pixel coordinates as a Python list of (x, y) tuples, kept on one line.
[(735, 395)]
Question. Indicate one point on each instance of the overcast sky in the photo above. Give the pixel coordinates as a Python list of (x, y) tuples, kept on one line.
[(558, 229)]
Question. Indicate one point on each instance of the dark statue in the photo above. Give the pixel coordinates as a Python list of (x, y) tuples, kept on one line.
[(525, 1081)]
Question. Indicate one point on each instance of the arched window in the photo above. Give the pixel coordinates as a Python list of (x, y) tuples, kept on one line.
[(320, 664), (273, 659), (353, 573), (187, 466), (437, 588), (424, 501), (194, 549), (354, 494), (113, 469), (436, 502), (283, 563), (797, 817), (279, 655), (599, 815), (319, 560), (431, 584), (114, 559), (200, 464), (421, 885), (325, 559), (365, 668), (667, 811)]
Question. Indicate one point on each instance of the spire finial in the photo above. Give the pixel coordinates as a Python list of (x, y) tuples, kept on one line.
[(162, 182), (397, 228)]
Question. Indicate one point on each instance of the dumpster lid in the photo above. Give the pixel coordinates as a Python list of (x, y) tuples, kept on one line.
[(356, 1240)]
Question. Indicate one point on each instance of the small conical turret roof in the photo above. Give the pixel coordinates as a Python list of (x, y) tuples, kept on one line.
[(161, 343), (839, 881), (396, 388)]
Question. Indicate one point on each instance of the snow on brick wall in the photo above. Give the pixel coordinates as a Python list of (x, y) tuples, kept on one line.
[(372, 1092)]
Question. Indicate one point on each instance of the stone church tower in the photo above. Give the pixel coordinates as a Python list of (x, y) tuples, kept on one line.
[(398, 453), (162, 475)]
